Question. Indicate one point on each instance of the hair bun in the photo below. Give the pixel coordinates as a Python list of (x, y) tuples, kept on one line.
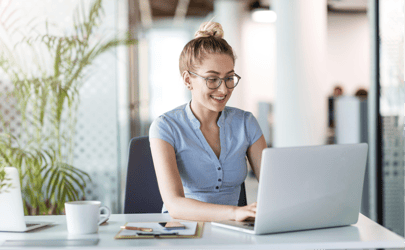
[(208, 29)]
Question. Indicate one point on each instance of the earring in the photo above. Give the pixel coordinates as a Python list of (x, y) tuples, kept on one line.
[(189, 87)]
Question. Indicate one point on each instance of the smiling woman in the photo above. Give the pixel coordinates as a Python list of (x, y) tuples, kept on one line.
[(199, 149)]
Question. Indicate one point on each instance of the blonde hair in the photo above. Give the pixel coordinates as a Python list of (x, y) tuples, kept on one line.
[(207, 40)]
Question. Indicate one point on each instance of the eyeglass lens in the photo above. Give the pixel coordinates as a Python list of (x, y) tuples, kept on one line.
[(230, 82)]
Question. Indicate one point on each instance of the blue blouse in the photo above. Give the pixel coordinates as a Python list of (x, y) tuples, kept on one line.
[(205, 177)]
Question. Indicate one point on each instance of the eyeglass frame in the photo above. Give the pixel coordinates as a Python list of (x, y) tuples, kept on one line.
[(220, 80)]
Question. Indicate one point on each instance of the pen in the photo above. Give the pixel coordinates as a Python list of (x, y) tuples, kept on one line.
[(137, 228), (156, 234)]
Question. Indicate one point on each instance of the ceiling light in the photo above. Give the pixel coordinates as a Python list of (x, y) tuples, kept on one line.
[(264, 16)]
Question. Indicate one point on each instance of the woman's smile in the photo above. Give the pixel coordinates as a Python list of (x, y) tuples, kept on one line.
[(219, 99)]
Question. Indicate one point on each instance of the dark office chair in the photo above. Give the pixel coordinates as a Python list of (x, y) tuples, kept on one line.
[(142, 192)]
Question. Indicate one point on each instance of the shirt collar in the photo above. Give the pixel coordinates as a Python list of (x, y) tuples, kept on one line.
[(196, 123), (221, 119)]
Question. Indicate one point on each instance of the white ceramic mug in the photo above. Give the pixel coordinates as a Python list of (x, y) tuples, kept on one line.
[(83, 217)]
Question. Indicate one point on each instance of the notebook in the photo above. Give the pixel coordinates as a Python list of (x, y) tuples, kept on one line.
[(11, 206), (192, 229), (307, 188)]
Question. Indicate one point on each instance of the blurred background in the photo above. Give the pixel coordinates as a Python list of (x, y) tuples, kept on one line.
[(313, 72)]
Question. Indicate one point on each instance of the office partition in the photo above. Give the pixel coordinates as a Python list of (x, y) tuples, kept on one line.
[(392, 97)]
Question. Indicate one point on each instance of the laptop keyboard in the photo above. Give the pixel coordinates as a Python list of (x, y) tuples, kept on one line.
[(30, 224), (249, 224)]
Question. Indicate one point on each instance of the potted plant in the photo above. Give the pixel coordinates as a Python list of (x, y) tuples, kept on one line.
[(47, 97)]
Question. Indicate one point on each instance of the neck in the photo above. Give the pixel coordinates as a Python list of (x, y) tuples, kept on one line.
[(205, 116)]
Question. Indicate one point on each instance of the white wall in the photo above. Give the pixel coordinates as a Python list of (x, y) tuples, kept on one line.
[(166, 87), (259, 64), (348, 51)]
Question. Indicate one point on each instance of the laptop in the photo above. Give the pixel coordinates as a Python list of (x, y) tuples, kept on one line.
[(11, 206), (307, 188)]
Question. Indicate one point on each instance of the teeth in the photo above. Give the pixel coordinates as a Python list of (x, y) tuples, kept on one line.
[(218, 98)]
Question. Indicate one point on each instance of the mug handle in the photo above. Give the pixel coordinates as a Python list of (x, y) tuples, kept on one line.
[(105, 217)]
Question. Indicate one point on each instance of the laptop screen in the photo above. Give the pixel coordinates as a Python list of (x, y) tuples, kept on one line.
[(11, 206)]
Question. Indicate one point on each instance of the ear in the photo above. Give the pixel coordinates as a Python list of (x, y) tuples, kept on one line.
[(187, 79)]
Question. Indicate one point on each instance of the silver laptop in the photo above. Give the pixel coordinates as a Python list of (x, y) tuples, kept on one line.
[(11, 206), (307, 188)]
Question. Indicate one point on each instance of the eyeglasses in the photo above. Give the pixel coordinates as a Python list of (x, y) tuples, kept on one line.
[(213, 82)]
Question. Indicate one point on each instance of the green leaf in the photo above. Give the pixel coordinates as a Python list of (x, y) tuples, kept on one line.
[(52, 183)]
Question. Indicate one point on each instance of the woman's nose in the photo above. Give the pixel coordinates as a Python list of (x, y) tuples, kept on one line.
[(222, 88)]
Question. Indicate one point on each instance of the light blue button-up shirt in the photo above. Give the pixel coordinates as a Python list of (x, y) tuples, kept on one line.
[(205, 177)]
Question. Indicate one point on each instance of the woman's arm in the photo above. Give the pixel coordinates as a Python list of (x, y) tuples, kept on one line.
[(172, 192), (254, 154)]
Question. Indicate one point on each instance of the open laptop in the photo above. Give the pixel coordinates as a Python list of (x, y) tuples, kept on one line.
[(307, 188), (11, 206)]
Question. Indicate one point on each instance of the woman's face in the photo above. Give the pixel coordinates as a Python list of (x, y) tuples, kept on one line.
[(217, 65)]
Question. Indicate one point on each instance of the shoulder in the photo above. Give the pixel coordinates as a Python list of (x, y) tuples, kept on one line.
[(180, 110), (172, 115), (165, 126), (245, 121)]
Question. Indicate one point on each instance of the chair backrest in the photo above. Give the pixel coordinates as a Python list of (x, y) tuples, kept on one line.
[(142, 192)]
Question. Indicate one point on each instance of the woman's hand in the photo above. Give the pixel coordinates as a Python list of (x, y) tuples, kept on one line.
[(246, 213)]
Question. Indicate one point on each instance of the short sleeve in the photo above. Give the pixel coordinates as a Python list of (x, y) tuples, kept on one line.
[(252, 127), (161, 129)]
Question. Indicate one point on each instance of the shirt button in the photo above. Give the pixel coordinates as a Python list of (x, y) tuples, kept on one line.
[(219, 168), (219, 180), (216, 187)]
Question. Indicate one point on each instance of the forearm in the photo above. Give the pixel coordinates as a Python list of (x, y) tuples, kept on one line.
[(190, 209)]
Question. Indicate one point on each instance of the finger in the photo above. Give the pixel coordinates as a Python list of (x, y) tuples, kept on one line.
[(246, 215), (250, 216), (240, 219), (252, 209), (250, 219), (253, 204), (252, 213)]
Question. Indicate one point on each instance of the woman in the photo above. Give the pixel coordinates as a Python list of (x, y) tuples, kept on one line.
[(199, 149)]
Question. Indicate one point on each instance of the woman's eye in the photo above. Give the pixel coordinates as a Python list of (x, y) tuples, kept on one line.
[(230, 79), (212, 80)]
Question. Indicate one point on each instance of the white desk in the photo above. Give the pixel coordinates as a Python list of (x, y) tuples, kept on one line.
[(364, 234)]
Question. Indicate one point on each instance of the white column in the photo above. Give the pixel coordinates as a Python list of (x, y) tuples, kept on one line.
[(301, 100), (230, 13)]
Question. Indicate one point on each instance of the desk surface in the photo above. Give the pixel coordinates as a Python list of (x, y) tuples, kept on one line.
[(364, 234)]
